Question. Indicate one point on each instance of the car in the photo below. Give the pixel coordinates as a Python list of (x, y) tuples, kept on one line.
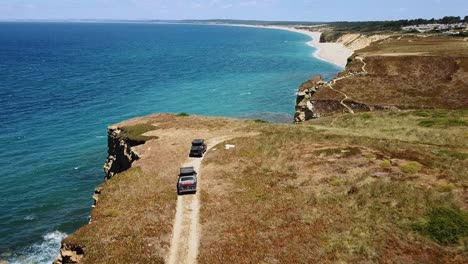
[(187, 181), (198, 148)]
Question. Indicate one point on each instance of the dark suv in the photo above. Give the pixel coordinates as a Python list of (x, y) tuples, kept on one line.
[(198, 148), (187, 181)]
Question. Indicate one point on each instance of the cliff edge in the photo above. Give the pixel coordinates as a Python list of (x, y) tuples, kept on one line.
[(398, 72)]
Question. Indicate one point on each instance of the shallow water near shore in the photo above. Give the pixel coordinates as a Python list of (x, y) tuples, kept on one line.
[(62, 84)]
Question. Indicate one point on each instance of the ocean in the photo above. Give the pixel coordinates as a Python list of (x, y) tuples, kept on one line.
[(62, 84)]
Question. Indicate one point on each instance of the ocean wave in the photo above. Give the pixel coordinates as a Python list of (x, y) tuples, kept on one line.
[(41, 252)]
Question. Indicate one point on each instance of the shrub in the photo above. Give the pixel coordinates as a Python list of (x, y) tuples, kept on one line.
[(385, 164), (335, 181), (444, 225), (366, 116), (260, 121), (110, 213), (411, 167), (445, 187), (183, 114), (427, 123)]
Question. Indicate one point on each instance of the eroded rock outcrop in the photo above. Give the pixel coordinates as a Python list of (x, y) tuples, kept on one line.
[(120, 153), (304, 107), (69, 254)]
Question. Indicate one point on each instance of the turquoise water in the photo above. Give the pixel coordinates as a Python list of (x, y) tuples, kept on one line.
[(61, 84)]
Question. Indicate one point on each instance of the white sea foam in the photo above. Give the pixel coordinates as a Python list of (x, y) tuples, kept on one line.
[(30, 217), (41, 252)]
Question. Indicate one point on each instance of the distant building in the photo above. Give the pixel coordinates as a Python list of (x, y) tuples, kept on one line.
[(447, 29)]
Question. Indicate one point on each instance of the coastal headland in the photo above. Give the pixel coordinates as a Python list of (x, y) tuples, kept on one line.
[(356, 185), (362, 187)]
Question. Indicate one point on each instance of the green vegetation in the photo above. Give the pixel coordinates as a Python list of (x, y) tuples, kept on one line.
[(444, 188), (110, 213), (260, 121), (404, 126), (385, 164), (183, 114), (366, 115), (442, 122), (135, 133), (335, 181), (454, 154), (387, 26), (411, 167), (444, 225)]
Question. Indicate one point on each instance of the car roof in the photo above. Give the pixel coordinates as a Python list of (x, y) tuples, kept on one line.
[(187, 170), (198, 141)]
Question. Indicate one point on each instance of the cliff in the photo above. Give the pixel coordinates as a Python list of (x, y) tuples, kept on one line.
[(120, 153), (282, 193), (355, 41), (121, 143), (395, 73)]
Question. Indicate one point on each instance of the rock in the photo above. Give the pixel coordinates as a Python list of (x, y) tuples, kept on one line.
[(120, 153), (70, 254), (304, 104)]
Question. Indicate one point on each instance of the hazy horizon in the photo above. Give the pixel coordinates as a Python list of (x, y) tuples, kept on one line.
[(263, 10)]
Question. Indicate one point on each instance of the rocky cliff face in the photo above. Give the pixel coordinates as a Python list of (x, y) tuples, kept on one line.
[(120, 153), (304, 104), (355, 41), (120, 157), (317, 98)]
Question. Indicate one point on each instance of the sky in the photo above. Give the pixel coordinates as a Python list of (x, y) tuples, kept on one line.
[(275, 10)]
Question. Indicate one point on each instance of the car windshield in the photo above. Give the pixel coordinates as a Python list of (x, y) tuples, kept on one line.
[(183, 179)]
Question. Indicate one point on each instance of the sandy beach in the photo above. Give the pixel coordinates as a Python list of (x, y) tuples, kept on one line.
[(335, 53)]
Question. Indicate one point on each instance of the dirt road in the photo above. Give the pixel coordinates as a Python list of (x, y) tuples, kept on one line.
[(186, 229)]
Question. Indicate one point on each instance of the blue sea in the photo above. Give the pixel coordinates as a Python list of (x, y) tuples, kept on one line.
[(62, 84)]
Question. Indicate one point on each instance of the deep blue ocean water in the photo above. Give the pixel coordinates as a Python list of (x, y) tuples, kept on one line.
[(62, 84)]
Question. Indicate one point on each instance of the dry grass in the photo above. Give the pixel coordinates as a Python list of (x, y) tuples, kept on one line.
[(402, 126), (296, 195), (436, 78), (132, 222), (435, 46)]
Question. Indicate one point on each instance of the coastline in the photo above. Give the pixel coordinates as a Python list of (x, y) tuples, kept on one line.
[(334, 53)]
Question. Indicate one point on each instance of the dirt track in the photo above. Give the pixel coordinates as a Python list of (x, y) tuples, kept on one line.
[(186, 229)]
